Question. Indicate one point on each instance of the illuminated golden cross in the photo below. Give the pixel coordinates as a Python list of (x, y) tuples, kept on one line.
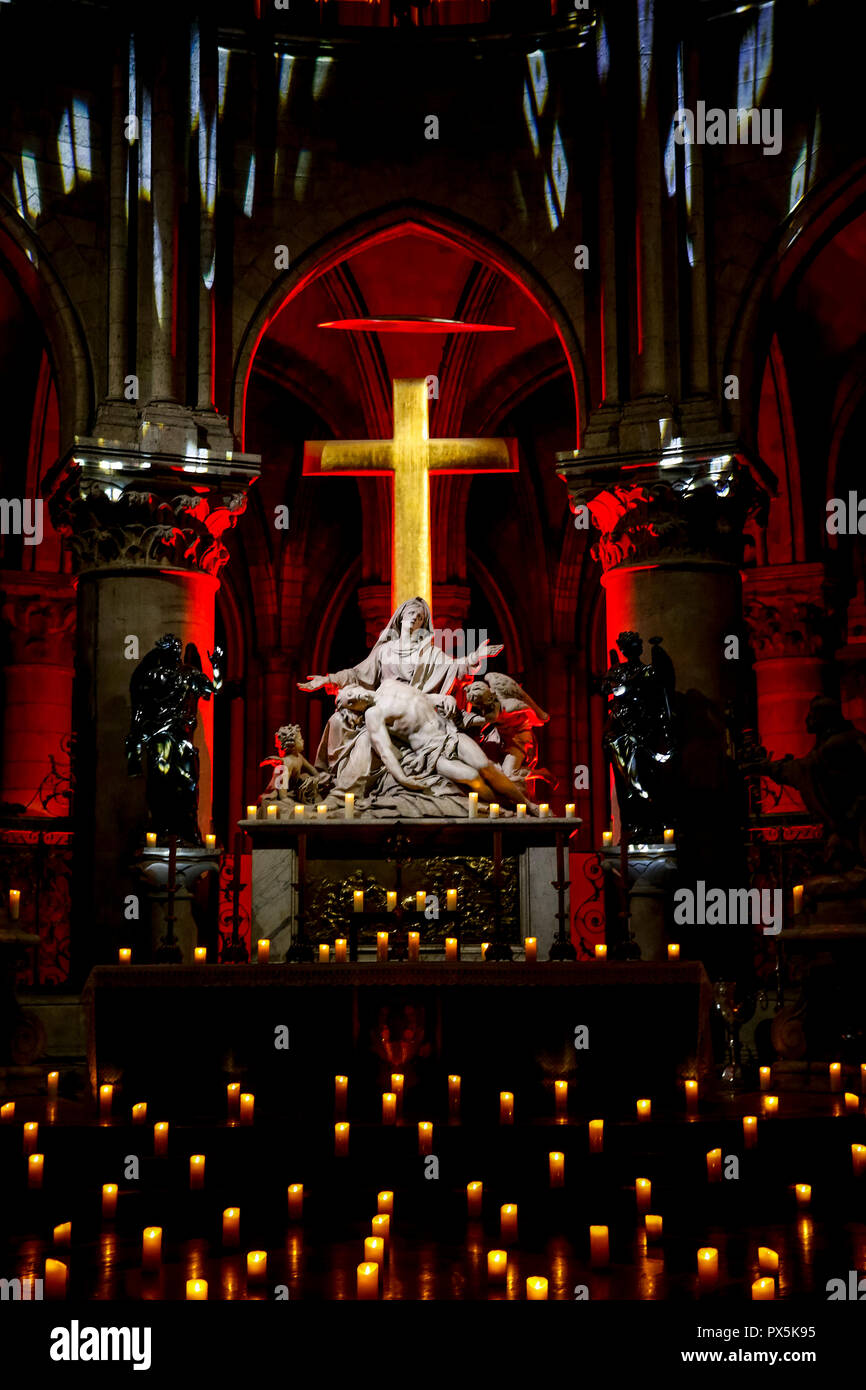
[(409, 457)]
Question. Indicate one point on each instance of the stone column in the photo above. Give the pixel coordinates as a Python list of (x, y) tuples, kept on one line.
[(38, 613), (374, 601), (784, 606), (145, 531), (670, 549)]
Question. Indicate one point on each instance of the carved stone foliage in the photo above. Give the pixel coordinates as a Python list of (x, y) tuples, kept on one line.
[(785, 608), (38, 621)]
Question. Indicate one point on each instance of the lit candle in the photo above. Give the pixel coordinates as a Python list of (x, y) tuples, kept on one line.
[(341, 1140), (765, 1074), (300, 811), (324, 953), (508, 1223), (653, 1228), (570, 809), (263, 950), (770, 1105), (599, 1245), (200, 954), (374, 1250), (858, 1159), (341, 1091), (389, 1108), (35, 1168), (763, 1289), (804, 1194), (251, 812), (381, 945), (451, 899), (506, 1107), (473, 805), (852, 1101), (497, 1266), (601, 951), (798, 897), (560, 1089), (536, 1288), (196, 1172), (340, 950), (691, 1095), (151, 1248), (644, 1109), (31, 1136), (196, 1290), (556, 1164), (474, 1198), (257, 1266), (521, 810), (368, 1279), (391, 900), (151, 839), (451, 948), (56, 1276), (385, 1203), (124, 955), (530, 949), (397, 1080), (494, 810), (210, 841), (63, 1234), (484, 946), (233, 1099), (673, 950), (106, 1095), (863, 1076), (248, 1105), (606, 839), (669, 835), (349, 805), (358, 900), (160, 1139), (835, 1076), (14, 903), (139, 1113), (708, 1266), (596, 1136), (544, 810), (7, 1112), (109, 1200), (750, 1131), (414, 945), (232, 1227), (273, 811), (454, 1096), (643, 1189), (421, 900), (714, 1165), (768, 1260), (425, 1137), (321, 811), (381, 1226)]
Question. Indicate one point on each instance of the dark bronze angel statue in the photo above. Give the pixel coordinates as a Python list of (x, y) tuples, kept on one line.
[(639, 735), (165, 690)]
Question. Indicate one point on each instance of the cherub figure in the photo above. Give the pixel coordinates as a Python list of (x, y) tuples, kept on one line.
[(503, 718), (293, 777)]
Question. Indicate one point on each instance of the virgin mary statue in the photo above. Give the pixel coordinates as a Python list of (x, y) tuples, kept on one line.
[(405, 651)]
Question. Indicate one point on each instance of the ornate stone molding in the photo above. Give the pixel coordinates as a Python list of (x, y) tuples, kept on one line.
[(667, 512), (38, 613), (786, 611), (122, 509)]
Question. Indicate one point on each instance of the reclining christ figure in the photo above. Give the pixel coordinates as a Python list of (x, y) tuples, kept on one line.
[(431, 745)]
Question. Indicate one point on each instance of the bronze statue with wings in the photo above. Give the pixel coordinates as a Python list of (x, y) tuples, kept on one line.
[(639, 737), (164, 691)]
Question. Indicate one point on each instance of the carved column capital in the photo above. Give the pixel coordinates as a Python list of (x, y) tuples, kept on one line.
[(668, 512), (38, 614), (121, 508), (785, 607)]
